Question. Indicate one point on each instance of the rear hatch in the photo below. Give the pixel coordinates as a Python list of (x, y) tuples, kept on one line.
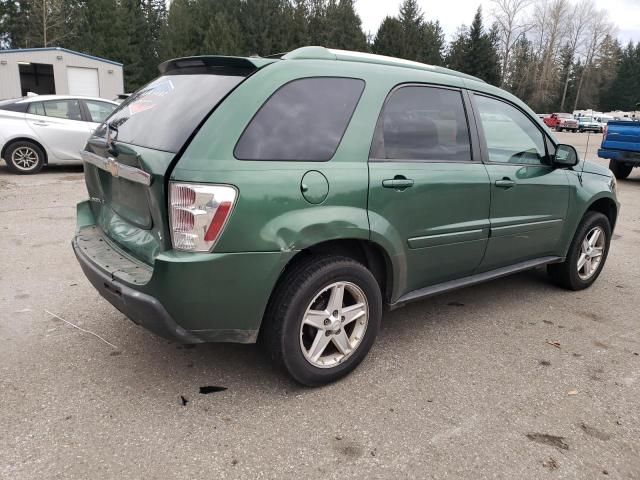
[(129, 158), (622, 135)]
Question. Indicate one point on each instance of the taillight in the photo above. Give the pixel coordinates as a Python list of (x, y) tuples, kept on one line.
[(604, 131), (198, 214)]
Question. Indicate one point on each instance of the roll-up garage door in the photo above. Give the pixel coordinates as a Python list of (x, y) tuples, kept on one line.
[(83, 81)]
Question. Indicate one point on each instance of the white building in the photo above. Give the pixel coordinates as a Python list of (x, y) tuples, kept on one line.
[(58, 71)]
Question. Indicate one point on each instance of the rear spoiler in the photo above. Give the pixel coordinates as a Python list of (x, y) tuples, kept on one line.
[(214, 64)]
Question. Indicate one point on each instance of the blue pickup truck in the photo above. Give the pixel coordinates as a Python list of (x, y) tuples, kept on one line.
[(621, 145)]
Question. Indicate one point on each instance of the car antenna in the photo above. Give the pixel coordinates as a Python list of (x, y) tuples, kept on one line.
[(586, 150)]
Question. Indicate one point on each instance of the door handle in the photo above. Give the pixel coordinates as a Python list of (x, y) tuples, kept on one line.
[(505, 183), (399, 182), (41, 124)]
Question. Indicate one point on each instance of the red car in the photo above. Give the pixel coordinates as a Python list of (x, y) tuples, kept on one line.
[(561, 122)]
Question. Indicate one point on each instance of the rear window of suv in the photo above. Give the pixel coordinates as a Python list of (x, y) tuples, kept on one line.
[(304, 120), (163, 114)]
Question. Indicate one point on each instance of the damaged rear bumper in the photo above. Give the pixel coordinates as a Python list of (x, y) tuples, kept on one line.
[(185, 297), (141, 308)]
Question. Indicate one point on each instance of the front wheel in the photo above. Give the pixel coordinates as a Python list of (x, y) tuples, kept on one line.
[(587, 254), (620, 170), (323, 319)]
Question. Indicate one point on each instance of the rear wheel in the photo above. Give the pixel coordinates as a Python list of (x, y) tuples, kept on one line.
[(323, 319), (587, 254), (24, 158), (619, 169)]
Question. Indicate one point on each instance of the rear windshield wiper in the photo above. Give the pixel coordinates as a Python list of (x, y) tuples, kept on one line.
[(111, 146)]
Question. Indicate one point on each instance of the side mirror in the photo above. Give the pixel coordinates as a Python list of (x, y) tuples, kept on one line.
[(566, 156)]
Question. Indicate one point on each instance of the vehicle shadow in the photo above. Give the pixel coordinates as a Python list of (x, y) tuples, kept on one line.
[(51, 169), (247, 369)]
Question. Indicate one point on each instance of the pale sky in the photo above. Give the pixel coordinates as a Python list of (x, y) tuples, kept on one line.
[(453, 13)]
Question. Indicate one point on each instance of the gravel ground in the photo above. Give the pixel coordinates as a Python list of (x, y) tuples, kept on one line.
[(465, 385)]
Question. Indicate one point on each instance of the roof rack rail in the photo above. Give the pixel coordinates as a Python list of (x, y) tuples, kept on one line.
[(323, 53)]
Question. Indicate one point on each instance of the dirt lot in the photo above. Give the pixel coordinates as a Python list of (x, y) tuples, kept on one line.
[(465, 385)]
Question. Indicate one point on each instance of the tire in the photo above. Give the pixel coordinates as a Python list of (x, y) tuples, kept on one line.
[(558, 129), (568, 274), (310, 285), (619, 169), (24, 158)]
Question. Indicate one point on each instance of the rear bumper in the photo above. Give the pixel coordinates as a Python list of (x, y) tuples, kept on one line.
[(141, 308), (632, 158), (185, 297)]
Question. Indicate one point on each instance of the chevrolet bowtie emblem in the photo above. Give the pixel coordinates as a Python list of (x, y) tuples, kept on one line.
[(111, 166)]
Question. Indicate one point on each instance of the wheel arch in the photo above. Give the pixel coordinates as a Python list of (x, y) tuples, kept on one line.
[(24, 139), (607, 207), (369, 253)]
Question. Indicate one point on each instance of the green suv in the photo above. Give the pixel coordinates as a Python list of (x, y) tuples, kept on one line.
[(290, 200)]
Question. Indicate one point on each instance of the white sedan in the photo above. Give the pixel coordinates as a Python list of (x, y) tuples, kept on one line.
[(41, 129)]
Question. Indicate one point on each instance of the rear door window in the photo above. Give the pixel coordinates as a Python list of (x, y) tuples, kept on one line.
[(422, 123), (164, 113), (36, 108), (99, 111), (304, 120)]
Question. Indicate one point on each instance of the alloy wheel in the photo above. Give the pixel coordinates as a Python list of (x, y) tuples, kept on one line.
[(334, 324), (24, 158), (591, 252)]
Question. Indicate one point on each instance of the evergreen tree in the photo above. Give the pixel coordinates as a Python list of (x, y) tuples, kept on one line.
[(433, 43), (475, 51), (99, 25), (344, 27), (481, 52), (388, 39), (187, 20), (8, 20), (264, 25), (623, 93), (521, 63), (223, 35), (412, 20), (456, 57), (410, 36), (299, 27)]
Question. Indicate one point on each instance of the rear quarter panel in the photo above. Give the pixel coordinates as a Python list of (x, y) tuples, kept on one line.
[(13, 125), (271, 214)]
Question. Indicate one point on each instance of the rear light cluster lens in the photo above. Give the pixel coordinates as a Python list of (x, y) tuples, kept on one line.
[(198, 214)]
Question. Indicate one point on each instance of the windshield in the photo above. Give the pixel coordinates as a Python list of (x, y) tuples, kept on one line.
[(164, 113)]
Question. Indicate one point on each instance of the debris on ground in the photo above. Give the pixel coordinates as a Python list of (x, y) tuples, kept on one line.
[(572, 392), (184, 401), (555, 344), (546, 439), (211, 389), (551, 464), (594, 432), (455, 304), (81, 329)]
